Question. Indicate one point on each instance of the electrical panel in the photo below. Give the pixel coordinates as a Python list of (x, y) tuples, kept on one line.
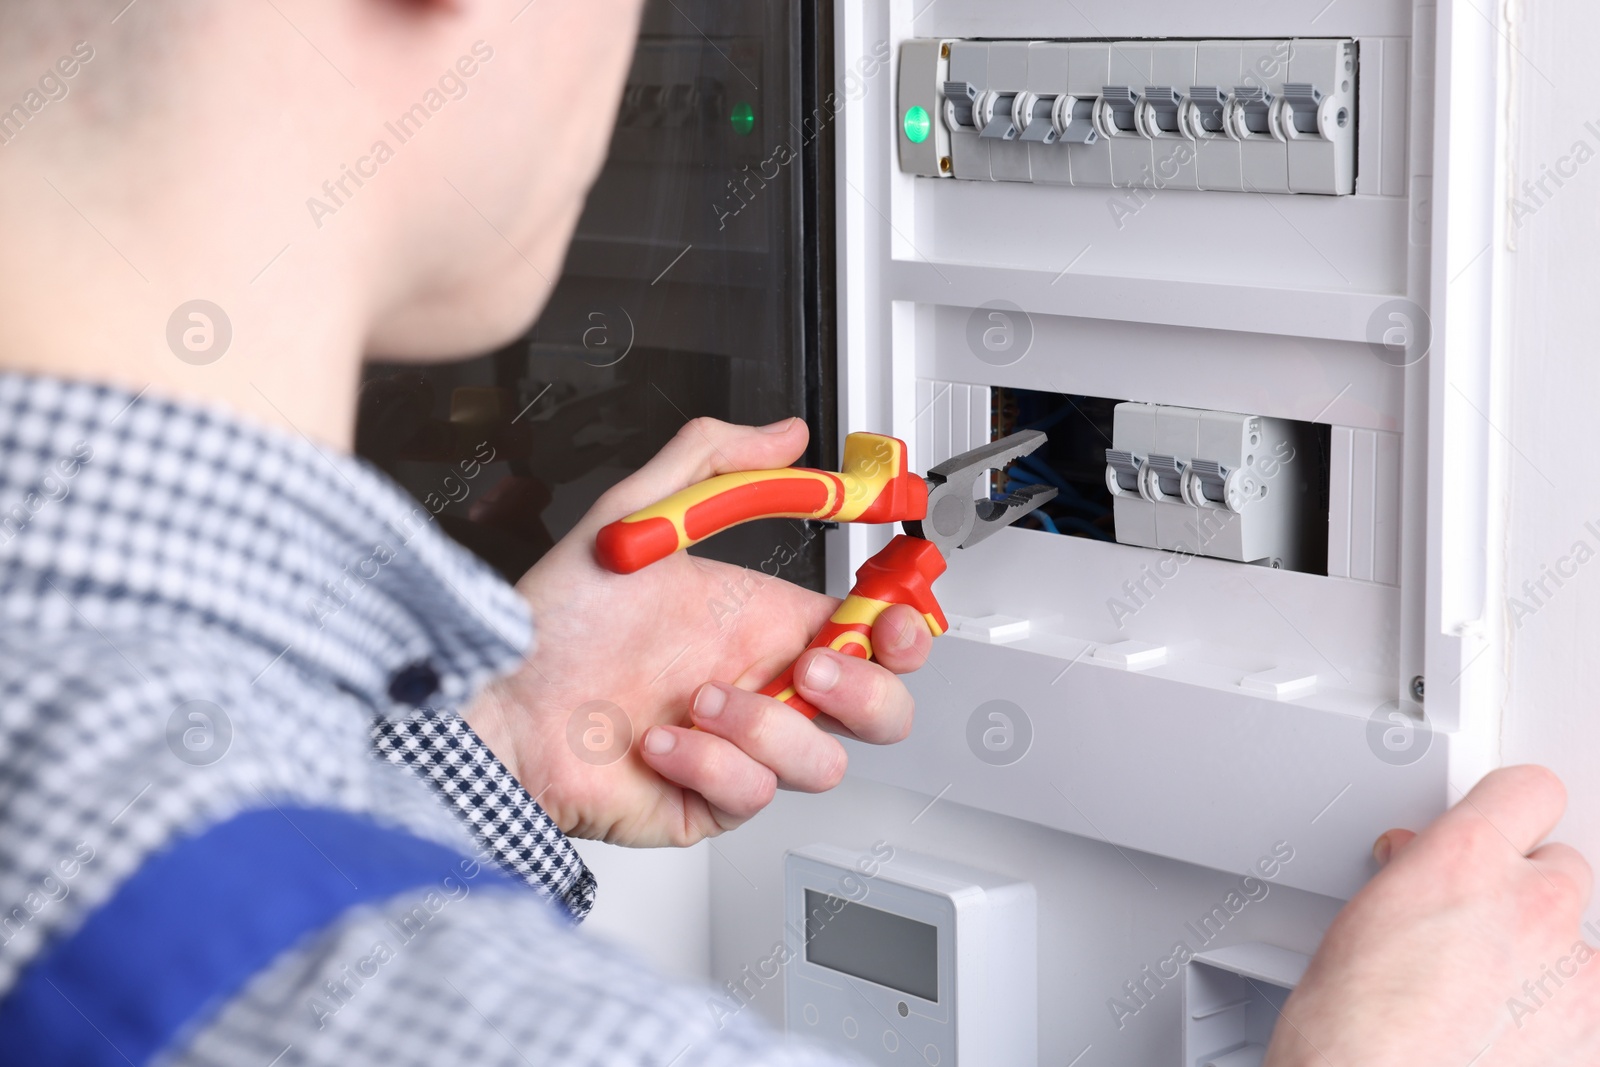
[(1196, 244), (1238, 115), (1232, 259)]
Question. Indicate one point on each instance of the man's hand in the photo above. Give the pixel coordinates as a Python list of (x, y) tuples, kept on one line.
[(682, 634), (1464, 950)]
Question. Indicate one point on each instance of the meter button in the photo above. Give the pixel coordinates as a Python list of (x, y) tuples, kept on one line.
[(850, 1028), (809, 1013)]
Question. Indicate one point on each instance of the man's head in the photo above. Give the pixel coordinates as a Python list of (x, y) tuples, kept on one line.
[(415, 166)]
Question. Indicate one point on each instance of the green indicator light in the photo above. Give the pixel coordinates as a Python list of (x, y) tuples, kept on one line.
[(918, 125), (743, 118)]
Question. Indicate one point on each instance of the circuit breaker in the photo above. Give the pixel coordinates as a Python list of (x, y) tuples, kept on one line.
[(1269, 116), (1215, 483)]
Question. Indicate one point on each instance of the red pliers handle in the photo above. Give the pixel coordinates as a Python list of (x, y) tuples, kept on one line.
[(876, 485), (902, 573)]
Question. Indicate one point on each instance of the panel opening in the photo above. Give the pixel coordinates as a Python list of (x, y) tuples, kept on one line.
[(1225, 485), (1073, 460)]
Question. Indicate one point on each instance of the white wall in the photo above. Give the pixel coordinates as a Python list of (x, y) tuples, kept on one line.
[(1551, 406), (654, 902)]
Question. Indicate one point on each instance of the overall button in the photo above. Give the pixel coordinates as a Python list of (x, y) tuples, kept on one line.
[(414, 683), (850, 1028), (809, 1013), (891, 1041)]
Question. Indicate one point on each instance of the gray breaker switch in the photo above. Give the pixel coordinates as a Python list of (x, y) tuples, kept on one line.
[(1227, 115), (1075, 118), (1213, 479), (1041, 119), (998, 111), (1124, 467), (1162, 105), (1304, 102), (1121, 103), (1166, 473), (1252, 111), (962, 101), (1207, 106)]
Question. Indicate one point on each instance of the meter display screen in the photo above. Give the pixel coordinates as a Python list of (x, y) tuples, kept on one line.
[(872, 944)]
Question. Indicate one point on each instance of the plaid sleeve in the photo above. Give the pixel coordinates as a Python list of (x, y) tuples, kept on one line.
[(506, 821)]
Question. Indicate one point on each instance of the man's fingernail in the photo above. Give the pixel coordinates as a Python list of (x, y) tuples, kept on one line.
[(903, 638), (1382, 848), (822, 675), (709, 702), (780, 426), (659, 742)]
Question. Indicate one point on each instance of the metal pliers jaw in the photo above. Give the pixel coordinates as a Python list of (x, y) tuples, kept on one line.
[(955, 518)]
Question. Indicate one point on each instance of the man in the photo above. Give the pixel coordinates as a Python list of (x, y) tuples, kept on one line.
[(175, 489)]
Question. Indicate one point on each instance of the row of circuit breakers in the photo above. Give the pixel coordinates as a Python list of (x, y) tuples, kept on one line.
[(1214, 483), (1267, 116)]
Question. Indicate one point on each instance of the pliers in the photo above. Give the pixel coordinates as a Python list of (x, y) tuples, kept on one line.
[(939, 514)]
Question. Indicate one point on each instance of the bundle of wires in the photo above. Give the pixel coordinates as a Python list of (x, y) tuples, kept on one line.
[(1082, 507)]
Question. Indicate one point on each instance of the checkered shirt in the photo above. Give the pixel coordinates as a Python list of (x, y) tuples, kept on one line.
[(503, 817), (201, 618)]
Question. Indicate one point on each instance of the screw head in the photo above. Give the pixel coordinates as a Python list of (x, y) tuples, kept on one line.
[(1417, 687)]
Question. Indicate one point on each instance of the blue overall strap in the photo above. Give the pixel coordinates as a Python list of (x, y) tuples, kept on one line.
[(187, 930)]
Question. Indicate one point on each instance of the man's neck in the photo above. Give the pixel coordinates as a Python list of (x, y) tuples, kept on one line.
[(103, 282)]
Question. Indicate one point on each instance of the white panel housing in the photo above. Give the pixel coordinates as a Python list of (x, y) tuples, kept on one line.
[(1232, 1000), (1364, 500), (1187, 718), (1261, 304)]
